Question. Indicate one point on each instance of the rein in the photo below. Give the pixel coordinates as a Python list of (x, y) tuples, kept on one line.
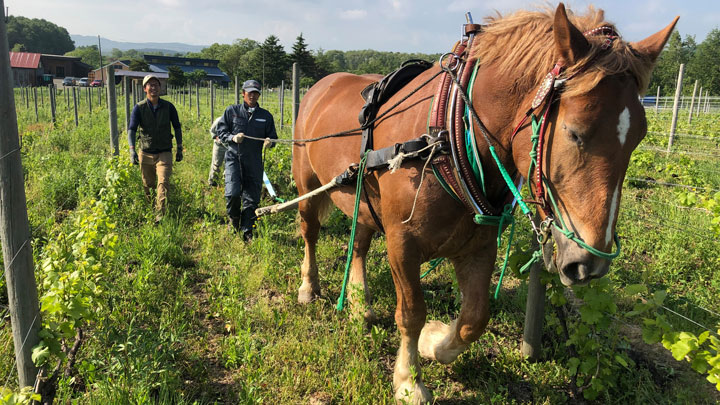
[(546, 93)]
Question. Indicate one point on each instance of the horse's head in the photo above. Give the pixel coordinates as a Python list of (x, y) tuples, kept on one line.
[(595, 122)]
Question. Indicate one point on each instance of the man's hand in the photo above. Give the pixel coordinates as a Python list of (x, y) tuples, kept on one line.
[(238, 138), (267, 143), (179, 154), (134, 157)]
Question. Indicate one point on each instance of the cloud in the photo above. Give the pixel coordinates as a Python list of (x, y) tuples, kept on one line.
[(355, 14)]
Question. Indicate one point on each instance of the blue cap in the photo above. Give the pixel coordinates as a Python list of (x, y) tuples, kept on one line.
[(251, 85)]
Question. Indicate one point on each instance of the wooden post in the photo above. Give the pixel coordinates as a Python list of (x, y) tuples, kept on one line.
[(657, 100), (212, 102), (126, 90), (296, 94), (27, 97), (707, 102), (67, 98), (42, 98), (112, 109), (99, 93), (51, 100), (534, 309), (237, 90), (37, 117), (75, 105), (89, 99), (697, 112), (190, 96), (692, 102), (15, 229), (197, 99), (678, 91), (281, 101)]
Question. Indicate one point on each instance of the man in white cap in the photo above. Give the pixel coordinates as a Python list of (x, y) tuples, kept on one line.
[(243, 159), (154, 116)]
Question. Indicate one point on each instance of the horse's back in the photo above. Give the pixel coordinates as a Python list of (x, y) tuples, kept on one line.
[(332, 105)]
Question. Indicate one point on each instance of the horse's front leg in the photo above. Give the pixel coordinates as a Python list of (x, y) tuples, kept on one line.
[(445, 343), (309, 229), (410, 318), (359, 294)]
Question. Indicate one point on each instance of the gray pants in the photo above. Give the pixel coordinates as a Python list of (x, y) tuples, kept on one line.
[(218, 158)]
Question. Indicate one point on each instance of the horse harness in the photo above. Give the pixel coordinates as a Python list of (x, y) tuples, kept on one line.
[(457, 164)]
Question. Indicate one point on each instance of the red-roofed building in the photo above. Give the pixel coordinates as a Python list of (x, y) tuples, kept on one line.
[(26, 68)]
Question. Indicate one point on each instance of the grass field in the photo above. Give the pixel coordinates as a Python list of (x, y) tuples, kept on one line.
[(193, 315)]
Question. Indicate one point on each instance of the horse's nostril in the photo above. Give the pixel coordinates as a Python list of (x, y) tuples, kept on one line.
[(576, 271)]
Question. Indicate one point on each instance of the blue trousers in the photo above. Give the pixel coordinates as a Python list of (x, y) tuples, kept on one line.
[(243, 184)]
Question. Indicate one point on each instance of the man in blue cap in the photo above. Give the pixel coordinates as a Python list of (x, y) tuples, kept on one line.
[(243, 159)]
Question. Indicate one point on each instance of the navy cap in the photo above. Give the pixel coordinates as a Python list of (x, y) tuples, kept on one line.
[(251, 85)]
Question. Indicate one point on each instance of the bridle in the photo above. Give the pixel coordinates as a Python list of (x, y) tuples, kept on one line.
[(548, 93)]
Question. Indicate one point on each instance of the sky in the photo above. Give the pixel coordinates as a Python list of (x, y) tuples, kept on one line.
[(386, 25)]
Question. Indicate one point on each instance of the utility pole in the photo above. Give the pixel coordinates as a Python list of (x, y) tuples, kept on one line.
[(15, 229)]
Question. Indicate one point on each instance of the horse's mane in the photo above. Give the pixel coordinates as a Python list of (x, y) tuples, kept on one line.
[(521, 45)]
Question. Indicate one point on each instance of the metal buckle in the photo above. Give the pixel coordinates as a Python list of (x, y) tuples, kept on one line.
[(544, 234), (450, 66)]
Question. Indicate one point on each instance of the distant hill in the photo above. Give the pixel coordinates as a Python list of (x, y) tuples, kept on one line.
[(108, 45)]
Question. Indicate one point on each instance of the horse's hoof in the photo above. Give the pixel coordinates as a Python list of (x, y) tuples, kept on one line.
[(370, 318), (435, 344), (307, 295), (415, 394)]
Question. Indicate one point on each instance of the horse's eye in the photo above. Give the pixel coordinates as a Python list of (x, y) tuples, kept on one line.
[(573, 135), (575, 138)]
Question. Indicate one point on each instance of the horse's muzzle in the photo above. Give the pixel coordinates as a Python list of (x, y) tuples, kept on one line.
[(577, 266)]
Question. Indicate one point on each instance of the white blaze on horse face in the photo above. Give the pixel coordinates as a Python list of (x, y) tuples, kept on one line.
[(613, 210), (623, 126)]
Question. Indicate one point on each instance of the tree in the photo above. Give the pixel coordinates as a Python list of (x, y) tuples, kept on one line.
[(87, 54), (196, 76), (176, 76), (666, 72), (273, 62), (704, 64), (233, 61), (303, 58), (139, 65), (38, 35)]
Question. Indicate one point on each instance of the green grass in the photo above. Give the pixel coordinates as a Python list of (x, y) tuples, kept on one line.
[(197, 316)]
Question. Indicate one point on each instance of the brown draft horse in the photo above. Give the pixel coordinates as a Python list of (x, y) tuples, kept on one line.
[(593, 127)]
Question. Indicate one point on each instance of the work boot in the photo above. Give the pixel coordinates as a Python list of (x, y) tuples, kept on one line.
[(247, 236), (234, 225), (212, 183)]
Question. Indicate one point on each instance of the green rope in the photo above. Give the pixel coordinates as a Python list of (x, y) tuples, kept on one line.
[(536, 257), (571, 235), (505, 218), (433, 264), (358, 189), (536, 125)]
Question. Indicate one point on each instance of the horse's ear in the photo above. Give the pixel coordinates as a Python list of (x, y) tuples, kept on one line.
[(570, 43), (654, 44)]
